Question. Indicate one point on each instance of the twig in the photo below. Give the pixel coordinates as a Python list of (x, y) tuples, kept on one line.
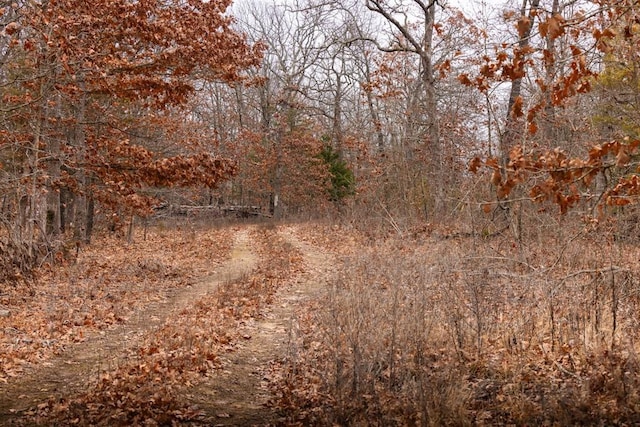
[(612, 269), (502, 258), (562, 250), (566, 371), (393, 223)]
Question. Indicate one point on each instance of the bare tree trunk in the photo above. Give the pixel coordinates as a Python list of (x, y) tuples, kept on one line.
[(31, 212), (90, 217), (241, 105), (429, 87), (80, 202), (509, 137), (275, 206), (337, 113), (54, 204), (548, 128), (433, 125), (66, 209), (511, 132), (422, 45), (265, 106), (33, 209), (373, 110)]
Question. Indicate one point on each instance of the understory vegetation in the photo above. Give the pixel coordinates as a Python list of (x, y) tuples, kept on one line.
[(469, 331), (430, 326)]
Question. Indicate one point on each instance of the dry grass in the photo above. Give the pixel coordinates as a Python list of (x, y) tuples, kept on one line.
[(470, 331)]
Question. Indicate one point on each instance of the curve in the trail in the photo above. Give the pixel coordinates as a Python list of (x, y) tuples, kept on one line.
[(238, 395), (69, 373)]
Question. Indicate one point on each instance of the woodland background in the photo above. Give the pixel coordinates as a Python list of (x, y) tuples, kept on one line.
[(487, 158), (373, 107)]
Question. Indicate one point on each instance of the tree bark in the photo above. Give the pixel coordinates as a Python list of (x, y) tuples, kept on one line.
[(510, 134), (81, 212), (548, 121)]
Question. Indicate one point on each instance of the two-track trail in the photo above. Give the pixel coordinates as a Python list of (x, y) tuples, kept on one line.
[(67, 374), (235, 393), (237, 396)]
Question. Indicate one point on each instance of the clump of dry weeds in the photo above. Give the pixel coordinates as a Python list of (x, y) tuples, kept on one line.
[(470, 331)]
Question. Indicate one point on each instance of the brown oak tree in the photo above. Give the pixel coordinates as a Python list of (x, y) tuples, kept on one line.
[(89, 90)]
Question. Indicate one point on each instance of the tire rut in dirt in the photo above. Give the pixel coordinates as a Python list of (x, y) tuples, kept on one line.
[(71, 372)]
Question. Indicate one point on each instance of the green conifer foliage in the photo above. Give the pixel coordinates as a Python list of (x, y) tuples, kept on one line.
[(342, 180)]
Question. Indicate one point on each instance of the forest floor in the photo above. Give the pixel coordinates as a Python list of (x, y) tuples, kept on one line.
[(158, 353), (314, 324)]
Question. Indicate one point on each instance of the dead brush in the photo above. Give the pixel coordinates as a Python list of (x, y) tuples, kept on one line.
[(466, 331), (379, 329)]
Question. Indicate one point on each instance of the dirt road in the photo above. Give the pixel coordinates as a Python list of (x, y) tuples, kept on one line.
[(235, 394)]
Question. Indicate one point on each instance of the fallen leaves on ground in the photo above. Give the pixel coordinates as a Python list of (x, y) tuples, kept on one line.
[(109, 281), (149, 386), (460, 331)]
